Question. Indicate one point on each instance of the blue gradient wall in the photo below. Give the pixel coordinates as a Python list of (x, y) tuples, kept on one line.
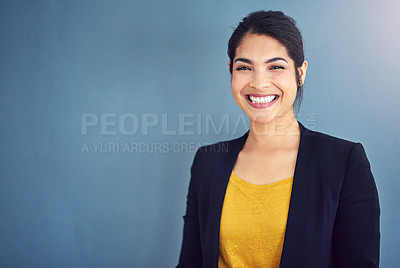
[(103, 103)]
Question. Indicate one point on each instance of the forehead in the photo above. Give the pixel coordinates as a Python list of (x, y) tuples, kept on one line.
[(255, 45)]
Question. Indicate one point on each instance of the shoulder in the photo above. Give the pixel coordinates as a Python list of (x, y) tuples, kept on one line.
[(323, 139), (336, 153), (220, 153), (212, 161), (326, 145)]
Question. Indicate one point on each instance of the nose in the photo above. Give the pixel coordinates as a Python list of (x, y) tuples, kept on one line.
[(260, 80)]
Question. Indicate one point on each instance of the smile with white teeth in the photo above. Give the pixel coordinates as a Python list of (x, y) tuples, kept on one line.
[(263, 100)]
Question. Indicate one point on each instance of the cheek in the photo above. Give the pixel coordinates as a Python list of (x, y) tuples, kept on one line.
[(236, 84), (287, 83), (237, 87)]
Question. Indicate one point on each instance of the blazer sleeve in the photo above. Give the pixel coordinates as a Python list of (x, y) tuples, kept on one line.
[(191, 254), (356, 235)]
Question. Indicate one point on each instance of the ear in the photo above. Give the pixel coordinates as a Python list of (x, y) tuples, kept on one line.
[(302, 71), (229, 65)]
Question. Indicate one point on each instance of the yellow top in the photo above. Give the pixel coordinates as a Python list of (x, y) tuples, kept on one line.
[(253, 223)]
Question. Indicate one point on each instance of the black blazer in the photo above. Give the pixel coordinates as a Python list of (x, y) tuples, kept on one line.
[(333, 218)]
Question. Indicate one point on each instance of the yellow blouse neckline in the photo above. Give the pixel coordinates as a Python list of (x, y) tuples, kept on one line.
[(263, 186)]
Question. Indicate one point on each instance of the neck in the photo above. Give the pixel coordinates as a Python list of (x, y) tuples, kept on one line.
[(274, 133)]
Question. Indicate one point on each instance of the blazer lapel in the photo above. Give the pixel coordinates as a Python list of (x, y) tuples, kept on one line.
[(224, 164), (298, 202)]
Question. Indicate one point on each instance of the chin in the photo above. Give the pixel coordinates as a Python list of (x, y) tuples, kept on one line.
[(262, 119)]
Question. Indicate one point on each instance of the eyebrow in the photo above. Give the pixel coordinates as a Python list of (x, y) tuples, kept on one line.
[(268, 61)]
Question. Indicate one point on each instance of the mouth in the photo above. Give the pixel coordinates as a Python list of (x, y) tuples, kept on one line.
[(261, 99)]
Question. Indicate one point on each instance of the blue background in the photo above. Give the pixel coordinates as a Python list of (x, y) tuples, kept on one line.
[(165, 64)]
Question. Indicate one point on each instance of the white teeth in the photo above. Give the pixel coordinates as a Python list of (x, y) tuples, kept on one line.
[(262, 99)]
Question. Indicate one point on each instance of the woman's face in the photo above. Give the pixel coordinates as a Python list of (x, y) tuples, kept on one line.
[(264, 83)]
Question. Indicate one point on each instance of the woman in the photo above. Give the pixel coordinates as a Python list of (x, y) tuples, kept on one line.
[(281, 195)]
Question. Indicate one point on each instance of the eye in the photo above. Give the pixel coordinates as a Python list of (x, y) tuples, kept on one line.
[(276, 67), (243, 68)]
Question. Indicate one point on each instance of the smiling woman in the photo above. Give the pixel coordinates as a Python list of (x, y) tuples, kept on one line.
[(281, 195)]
